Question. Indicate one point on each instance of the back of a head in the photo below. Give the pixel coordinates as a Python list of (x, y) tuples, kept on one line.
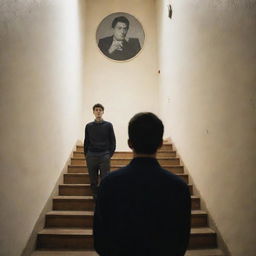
[(145, 133)]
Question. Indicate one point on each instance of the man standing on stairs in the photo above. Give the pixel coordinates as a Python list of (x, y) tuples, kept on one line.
[(142, 209), (99, 146)]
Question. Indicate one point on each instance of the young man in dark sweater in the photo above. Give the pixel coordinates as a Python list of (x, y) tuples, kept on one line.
[(99, 146), (142, 209)]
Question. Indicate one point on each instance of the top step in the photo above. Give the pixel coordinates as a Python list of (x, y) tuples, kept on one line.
[(165, 147)]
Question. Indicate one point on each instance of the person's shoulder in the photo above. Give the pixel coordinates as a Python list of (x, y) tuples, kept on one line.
[(107, 123), (89, 124), (105, 39)]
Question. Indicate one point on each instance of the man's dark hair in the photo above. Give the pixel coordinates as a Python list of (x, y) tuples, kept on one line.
[(145, 133), (120, 19), (98, 105)]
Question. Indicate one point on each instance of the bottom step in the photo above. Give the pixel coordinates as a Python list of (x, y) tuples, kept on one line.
[(82, 239), (211, 252)]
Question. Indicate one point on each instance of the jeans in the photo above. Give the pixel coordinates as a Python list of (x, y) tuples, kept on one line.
[(95, 164)]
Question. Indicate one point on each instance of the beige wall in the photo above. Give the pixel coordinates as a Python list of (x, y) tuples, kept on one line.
[(207, 56), (41, 108), (123, 88)]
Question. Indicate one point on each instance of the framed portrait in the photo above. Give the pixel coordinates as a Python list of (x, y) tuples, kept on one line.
[(120, 36)]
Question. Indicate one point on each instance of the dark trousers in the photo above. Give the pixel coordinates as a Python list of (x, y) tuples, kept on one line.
[(96, 165)]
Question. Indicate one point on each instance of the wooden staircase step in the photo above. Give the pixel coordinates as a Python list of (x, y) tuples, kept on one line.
[(65, 253), (84, 219), (75, 190), (128, 154), (73, 203), (83, 169), (204, 252), (199, 218), (166, 146), (85, 189), (79, 239), (86, 203), (61, 239), (202, 238), (76, 178), (69, 219), (162, 161), (83, 178)]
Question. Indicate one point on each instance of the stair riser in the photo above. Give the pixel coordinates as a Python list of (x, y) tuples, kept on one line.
[(60, 242), (83, 169), (85, 179), (69, 221), (73, 205), (87, 221), (75, 191), (81, 242), (202, 241), (127, 155), (88, 205), (174, 161), (86, 191), (199, 221), (164, 147), (80, 179)]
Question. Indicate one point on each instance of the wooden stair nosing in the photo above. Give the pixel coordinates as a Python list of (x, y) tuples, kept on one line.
[(56, 238), (203, 252), (82, 219), (89, 232)]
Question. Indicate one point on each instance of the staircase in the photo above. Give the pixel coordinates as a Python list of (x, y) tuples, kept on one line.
[(68, 227)]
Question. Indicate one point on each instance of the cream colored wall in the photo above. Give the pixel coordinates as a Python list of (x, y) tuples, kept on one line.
[(123, 88), (207, 55), (41, 92)]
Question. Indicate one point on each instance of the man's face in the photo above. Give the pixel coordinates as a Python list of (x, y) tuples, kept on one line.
[(120, 31), (98, 112)]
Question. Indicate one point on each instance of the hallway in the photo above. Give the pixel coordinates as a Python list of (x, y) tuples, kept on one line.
[(195, 70)]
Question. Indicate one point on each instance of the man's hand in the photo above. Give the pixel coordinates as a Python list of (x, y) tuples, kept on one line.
[(115, 46)]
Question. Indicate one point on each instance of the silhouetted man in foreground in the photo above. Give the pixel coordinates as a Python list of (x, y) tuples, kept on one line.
[(142, 209)]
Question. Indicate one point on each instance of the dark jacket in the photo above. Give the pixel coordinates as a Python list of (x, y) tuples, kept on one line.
[(99, 137), (142, 210), (130, 48)]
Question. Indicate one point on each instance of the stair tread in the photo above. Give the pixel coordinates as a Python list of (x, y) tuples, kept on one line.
[(132, 152), (83, 173), (121, 165), (65, 253), (71, 213), (72, 197), (85, 231), (90, 197), (76, 185), (65, 231), (203, 230), (158, 158), (203, 252), (91, 213)]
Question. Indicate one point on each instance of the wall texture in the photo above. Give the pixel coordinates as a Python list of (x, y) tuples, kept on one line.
[(41, 92), (207, 56), (123, 88)]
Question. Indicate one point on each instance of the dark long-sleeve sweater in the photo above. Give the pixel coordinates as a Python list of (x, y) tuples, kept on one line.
[(99, 138)]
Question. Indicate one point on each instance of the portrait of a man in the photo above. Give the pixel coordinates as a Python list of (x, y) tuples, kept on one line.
[(120, 45)]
